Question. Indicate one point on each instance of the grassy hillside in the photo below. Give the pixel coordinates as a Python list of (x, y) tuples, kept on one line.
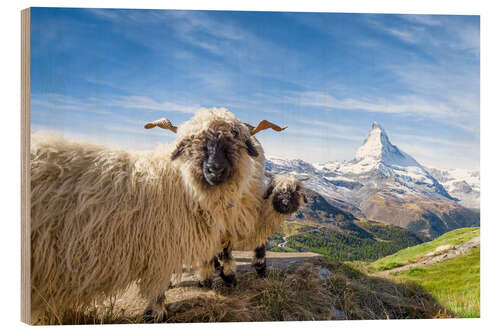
[(454, 283), (408, 255), (348, 241)]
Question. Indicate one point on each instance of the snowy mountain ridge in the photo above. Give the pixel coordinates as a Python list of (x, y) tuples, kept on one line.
[(462, 184), (381, 166)]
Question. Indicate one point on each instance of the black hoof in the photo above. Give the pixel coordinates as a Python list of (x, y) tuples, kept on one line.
[(262, 273), (261, 269), (207, 283), (229, 280)]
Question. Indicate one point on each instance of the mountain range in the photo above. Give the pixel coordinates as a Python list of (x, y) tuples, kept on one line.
[(384, 183)]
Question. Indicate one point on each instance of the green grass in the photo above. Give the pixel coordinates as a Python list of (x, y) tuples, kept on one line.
[(293, 228), (361, 295), (454, 283), (366, 241), (281, 249), (410, 254)]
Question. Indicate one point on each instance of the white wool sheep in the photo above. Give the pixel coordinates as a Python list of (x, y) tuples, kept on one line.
[(104, 218)]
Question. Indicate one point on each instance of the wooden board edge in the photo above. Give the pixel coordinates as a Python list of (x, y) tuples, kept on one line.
[(25, 167)]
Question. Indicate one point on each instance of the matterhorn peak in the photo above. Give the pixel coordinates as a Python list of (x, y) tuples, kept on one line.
[(378, 132), (377, 148), (375, 143)]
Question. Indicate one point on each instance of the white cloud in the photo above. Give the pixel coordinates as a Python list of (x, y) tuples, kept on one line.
[(324, 134), (437, 151), (397, 105), (100, 82), (113, 135), (403, 34), (433, 141), (432, 155), (147, 103), (100, 104), (468, 39), (453, 32), (310, 149), (108, 14), (457, 91), (430, 20), (316, 128), (192, 27)]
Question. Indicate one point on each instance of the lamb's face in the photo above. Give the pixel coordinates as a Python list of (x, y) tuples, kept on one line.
[(215, 154), (287, 194), (288, 200)]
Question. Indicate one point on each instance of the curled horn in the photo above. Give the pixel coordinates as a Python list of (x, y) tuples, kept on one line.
[(264, 124), (162, 123)]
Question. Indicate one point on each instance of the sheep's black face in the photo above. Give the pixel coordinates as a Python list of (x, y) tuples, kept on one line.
[(219, 160), (214, 155), (286, 201)]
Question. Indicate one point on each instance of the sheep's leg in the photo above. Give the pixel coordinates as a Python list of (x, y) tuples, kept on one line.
[(217, 264), (228, 271), (156, 311), (206, 270), (259, 260)]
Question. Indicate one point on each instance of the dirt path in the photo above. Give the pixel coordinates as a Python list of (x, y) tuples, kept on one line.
[(278, 260), (442, 253), (273, 259), (284, 242)]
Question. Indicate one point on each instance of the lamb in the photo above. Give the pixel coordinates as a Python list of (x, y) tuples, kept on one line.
[(283, 197), (102, 218)]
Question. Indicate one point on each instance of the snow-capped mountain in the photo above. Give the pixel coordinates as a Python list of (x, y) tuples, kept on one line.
[(377, 149), (462, 184), (383, 182), (377, 155), (319, 181)]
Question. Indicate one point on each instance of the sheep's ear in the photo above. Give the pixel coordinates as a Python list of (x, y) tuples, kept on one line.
[(304, 197), (251, 148), (269, 191), (178, 150), (162, 123), (264, 124)]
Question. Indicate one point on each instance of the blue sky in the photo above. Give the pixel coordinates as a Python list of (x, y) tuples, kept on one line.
[(100, 74)]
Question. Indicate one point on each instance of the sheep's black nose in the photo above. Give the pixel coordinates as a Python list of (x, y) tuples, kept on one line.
[(215, 169)]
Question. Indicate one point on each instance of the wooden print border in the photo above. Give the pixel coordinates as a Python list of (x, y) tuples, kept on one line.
[(25, 167)]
